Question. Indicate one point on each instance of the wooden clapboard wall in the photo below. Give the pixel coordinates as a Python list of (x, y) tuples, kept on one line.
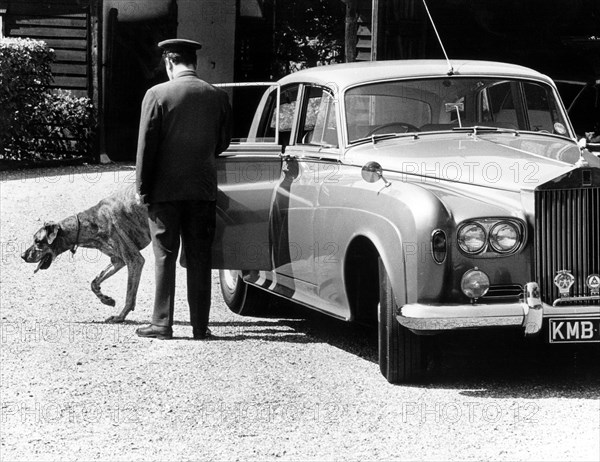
[(69, 36), (364, 44), (72, 28), (401, 29)]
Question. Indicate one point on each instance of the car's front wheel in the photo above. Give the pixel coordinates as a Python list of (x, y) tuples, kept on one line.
[(402, 356), (240, 297)]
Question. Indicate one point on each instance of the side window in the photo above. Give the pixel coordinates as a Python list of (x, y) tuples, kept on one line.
[(287, 109), (318, 123)]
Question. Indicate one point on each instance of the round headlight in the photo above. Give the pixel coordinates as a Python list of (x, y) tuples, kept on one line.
[(504, 237), (471, 238), (475, 283)]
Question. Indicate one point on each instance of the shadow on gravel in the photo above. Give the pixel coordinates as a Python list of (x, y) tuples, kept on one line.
[(502, 364), (283, 330), (276, 330), (357, 339), (495, 363), (127, 322), (40, 172)]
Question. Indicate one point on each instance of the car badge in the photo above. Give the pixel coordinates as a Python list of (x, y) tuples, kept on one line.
[(564, 280), (593, 282)]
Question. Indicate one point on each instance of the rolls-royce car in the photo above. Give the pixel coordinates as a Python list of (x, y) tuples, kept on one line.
[(422, 196)]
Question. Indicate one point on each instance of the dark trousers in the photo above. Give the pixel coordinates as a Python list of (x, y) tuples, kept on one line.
[(194, 222)]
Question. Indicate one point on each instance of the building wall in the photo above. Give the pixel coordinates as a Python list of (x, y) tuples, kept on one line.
[(137, 10), (209, 22), (212, 23), (132, 61)]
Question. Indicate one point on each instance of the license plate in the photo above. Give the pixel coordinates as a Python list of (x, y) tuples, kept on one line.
[(581, 330)]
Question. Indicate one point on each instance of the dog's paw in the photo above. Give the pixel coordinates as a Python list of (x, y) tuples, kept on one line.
[(108, 300), (115, 319)]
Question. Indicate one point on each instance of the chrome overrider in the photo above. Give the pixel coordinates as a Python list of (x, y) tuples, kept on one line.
[(527, 313)]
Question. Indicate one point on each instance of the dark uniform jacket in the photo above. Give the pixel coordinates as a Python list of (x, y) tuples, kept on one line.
[(185, 123)]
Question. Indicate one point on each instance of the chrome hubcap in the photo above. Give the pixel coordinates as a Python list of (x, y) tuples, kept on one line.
[(231, 279)]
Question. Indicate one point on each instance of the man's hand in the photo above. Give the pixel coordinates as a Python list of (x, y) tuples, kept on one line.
[(138, 199)]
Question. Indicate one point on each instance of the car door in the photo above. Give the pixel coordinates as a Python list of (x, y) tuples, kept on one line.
[(248, 173), (306, 165), (246, 179)]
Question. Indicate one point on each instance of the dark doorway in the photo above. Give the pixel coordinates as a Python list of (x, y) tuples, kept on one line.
[(253, 52), (133, 65)]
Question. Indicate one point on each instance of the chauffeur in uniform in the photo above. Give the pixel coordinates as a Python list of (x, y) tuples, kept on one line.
[(185, 123)]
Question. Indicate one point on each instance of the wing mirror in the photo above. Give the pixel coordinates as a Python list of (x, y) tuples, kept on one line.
[(372, 172)]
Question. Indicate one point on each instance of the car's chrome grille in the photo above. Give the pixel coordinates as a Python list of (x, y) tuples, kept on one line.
[(567, 224)]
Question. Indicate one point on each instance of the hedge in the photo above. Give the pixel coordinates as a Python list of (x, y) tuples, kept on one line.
[(36, 122)]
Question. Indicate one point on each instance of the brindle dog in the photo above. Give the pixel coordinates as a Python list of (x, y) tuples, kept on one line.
[(117, 226)]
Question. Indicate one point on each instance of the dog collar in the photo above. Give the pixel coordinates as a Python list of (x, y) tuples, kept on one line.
[(75, 246)]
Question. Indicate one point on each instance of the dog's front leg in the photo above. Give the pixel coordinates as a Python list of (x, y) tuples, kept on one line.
[(115, 265)]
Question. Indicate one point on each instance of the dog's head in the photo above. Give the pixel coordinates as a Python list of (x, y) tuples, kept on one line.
[(45, 246)]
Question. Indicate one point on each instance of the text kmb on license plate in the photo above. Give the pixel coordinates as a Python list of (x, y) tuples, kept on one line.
[(574, 330)]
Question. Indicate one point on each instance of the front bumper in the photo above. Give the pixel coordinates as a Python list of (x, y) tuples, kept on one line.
[(528, 314)]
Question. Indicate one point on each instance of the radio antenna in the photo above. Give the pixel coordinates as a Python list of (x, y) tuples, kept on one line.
[(450, 68)]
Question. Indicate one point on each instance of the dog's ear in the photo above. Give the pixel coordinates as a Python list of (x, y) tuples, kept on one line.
[(51, 231)]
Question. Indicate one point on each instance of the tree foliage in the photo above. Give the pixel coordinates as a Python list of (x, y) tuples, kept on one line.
[(308, 33)]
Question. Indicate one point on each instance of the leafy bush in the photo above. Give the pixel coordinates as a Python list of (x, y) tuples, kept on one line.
[(35, 121), (24, 75), (62, 127)]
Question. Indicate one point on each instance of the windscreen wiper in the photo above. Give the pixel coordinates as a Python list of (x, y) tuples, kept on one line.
[(387, 136), (485, 129)]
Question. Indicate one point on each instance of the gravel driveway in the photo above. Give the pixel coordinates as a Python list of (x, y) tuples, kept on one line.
[(295, 387)]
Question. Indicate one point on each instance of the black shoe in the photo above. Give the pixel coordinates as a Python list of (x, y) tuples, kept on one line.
[(202, 334), (152, 331)]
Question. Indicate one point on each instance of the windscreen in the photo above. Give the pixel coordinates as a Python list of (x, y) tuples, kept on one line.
[(441, 104)]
